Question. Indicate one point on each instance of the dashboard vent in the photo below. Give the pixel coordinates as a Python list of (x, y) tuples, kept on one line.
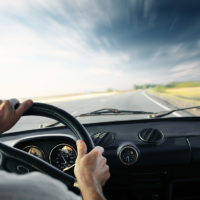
[(151, 135), (104, 139)]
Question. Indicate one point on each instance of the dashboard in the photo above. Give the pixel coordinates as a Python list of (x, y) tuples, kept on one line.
[(148, 159)]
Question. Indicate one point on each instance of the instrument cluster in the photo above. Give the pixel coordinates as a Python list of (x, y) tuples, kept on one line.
[(61, 153)]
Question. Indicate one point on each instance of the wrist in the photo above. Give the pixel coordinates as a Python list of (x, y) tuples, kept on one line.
[(89, 181), (91, 192)]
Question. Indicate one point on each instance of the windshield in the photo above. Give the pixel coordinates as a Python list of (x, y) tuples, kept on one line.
[(85, 55)]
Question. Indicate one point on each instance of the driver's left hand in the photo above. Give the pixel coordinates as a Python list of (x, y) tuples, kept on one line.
[(9, 116)]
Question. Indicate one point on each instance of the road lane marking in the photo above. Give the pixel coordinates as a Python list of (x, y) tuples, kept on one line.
[(159, 104)]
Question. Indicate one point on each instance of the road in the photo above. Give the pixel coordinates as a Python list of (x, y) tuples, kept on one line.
[(136, 100)]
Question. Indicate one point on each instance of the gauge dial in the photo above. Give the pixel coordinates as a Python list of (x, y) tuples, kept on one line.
[(128, 155), (34, 150), (63, 156)]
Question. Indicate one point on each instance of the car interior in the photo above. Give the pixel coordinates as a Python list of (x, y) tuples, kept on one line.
[(123, 75), (148, 158)]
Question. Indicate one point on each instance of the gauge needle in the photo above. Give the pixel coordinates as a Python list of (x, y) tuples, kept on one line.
[(61, 153), (127, 158), (63, 159), (68, 167)]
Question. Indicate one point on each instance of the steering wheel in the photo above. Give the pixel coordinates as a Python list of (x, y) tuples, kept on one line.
[(33, 162)]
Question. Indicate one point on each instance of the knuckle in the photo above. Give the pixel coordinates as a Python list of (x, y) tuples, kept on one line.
[(99, 148), (108, 175), (4, 106), (104, 160), (6, 103), (107, 168), (96, 152)]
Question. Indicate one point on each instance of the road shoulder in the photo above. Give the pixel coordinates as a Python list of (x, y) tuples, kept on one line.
[(174, 102)]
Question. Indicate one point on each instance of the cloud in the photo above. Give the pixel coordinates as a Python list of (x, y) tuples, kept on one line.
[(183, 75), (81, 42), (186, 71), (185, 66)]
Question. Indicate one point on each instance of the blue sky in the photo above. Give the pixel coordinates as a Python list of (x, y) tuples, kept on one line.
[(58, 47)]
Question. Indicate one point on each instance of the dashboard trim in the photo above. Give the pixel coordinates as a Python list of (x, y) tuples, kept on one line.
[(15, 142)]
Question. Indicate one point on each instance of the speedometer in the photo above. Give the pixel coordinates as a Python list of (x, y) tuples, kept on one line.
[(63, 156)]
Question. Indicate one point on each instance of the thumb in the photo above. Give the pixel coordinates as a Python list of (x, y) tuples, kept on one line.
[(81, 148)]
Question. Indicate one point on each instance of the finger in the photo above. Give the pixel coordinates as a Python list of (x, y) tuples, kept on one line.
[(6, 105), (103, 161), (107, 175), (81, 148), (9, 106), (23, 108), (106, 179), (106, 170), (2, 105), (99, 150)]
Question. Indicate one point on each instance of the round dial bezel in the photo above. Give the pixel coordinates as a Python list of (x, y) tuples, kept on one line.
[(34, 146), (65, 144), (128, 147)]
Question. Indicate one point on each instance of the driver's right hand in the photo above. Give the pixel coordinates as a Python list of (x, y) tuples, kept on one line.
[(91, 169)]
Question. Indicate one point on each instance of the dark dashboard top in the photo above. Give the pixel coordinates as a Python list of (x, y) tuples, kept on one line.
[(178, 145), (188, 126)]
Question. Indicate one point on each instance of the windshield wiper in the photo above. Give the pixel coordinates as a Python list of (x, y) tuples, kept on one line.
[(103, 111), (165, 113), (112, 111)]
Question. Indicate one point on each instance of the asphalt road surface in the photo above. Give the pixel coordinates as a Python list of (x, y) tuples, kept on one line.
[(138, 100)]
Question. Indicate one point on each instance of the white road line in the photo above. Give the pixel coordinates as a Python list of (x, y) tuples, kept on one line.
[(159, 104)]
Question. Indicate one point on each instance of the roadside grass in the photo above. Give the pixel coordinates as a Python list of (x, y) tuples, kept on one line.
[(185, 91), (189, 94), (179, 94), (183, 84)]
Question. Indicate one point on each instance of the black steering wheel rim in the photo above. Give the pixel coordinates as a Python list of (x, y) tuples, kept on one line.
[(50, 111)]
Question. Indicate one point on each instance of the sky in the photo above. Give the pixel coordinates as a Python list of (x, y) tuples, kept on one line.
[(52, 47)]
